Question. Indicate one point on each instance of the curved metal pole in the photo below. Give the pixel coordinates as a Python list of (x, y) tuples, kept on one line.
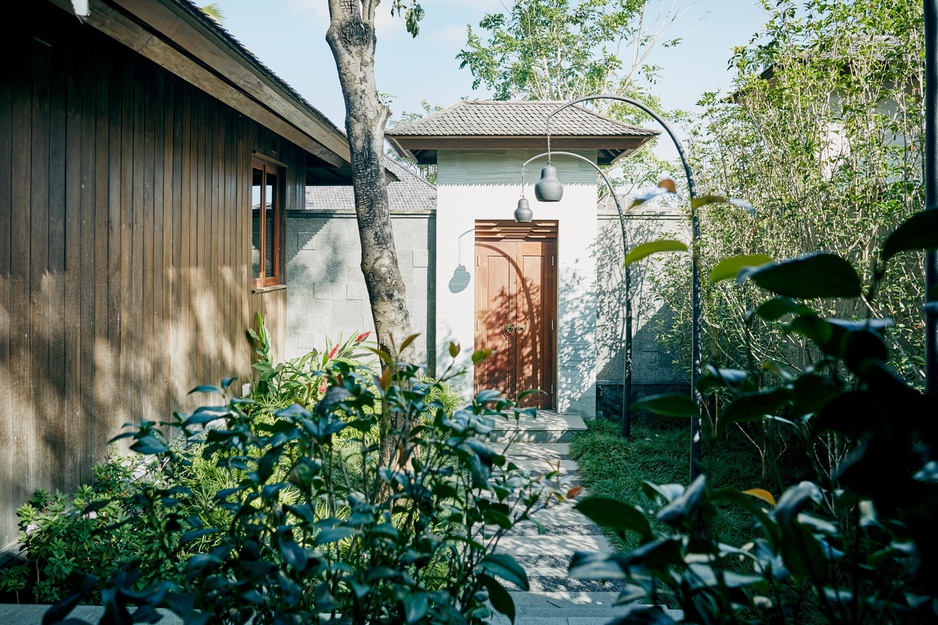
[(695, 430), (627, 374)]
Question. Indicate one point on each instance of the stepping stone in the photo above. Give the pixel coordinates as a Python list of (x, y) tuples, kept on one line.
[(553, 597)]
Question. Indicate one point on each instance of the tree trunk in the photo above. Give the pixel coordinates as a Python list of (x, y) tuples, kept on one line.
[(351, 36)]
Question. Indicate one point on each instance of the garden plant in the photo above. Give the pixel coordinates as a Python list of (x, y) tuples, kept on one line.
[(853, 543), (310, 526)]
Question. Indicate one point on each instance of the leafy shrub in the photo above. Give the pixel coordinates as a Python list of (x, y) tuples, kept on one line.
[(407, 541), (95, 529), (854, 545), (823, 133)]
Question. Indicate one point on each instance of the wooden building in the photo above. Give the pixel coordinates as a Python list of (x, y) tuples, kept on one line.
[(147, 161)]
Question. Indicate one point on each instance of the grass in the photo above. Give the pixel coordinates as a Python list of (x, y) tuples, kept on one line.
[(659, 452)]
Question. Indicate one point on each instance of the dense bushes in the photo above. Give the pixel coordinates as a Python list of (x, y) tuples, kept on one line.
[(853, 543), (306, 523), (824, 134)]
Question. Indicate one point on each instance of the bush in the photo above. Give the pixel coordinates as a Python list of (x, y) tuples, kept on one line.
[(855, 543), (314, 524)]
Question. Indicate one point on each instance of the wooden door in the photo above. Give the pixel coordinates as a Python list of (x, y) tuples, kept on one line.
[(515, 308)]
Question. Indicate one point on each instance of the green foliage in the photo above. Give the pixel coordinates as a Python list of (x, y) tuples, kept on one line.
[(853, 543), (92, 530), (315, 521), (427, 172), (561, 50), (823, 133), (558, 50)]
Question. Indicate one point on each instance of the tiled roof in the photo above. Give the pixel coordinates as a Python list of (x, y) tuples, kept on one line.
[(409, 193), (515, 119)]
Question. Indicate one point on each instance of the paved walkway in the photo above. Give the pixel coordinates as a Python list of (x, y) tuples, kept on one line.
[(554, 598)]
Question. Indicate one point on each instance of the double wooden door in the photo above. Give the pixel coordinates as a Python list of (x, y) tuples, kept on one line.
[(515, 308)]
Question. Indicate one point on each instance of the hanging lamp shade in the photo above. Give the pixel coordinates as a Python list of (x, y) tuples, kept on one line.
[(549, 187), (523, 214)]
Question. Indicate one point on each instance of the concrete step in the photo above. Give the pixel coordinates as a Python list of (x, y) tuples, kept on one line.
[(568, 608), (546, 427), (31, 614)]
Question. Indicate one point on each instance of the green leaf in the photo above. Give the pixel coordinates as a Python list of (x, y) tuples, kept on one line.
[(729, 268), (416, 604), (645, 615), (778, 307), (206, 388), (685, 509), (713, 378), (803, 553), (615, 515), (668, 404), (293, 554), (149, 445), (794, 499), (597, 565), (750, 406), (188, 537), (494, 517), (703, 200), (488, 394), (918, 233), (505, 566), (500, 598), (652, 247), (407, 342), (334, 534), (807, 277), (479, 355)]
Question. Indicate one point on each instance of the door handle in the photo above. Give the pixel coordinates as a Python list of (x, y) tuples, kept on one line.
[(521, 328), (509, 328)]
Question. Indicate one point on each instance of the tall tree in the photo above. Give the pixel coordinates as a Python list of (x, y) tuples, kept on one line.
[(351, 36), (824, 134), (566, 49), (561, 50)]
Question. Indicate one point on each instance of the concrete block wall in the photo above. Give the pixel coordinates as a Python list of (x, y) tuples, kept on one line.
[(326, 294), (654, 369)]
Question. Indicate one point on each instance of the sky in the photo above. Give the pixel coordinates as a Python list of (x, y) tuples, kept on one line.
[(288, 36)]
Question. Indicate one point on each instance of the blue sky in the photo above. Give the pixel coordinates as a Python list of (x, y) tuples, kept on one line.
[(289, 37)]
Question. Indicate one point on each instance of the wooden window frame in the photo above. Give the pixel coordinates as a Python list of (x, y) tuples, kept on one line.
[(266, 277)]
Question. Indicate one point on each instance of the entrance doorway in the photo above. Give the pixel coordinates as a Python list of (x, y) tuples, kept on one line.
[(516, 308)]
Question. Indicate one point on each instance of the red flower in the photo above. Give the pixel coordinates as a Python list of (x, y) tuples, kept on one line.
[(333, 352), (322, 388), (361, 337)]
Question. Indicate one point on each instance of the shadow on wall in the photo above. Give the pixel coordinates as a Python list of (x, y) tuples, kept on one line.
[(521, 360), (71, 382), (326, 290), (576, 342), (653, 368)]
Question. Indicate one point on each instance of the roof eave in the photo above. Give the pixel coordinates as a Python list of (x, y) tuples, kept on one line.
[(424, 149), (174, 38)]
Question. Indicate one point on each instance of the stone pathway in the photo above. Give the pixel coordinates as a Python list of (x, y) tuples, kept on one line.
[(554, 598)]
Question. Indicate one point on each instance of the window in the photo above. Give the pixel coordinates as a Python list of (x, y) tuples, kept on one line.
[(266, 213)]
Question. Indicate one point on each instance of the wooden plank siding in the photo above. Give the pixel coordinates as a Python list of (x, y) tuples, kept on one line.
[(125, 248)]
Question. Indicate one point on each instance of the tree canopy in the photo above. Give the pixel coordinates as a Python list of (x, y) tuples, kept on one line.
[(558, 50)]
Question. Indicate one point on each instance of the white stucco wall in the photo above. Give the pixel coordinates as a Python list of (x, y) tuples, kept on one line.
[(486, 184)]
